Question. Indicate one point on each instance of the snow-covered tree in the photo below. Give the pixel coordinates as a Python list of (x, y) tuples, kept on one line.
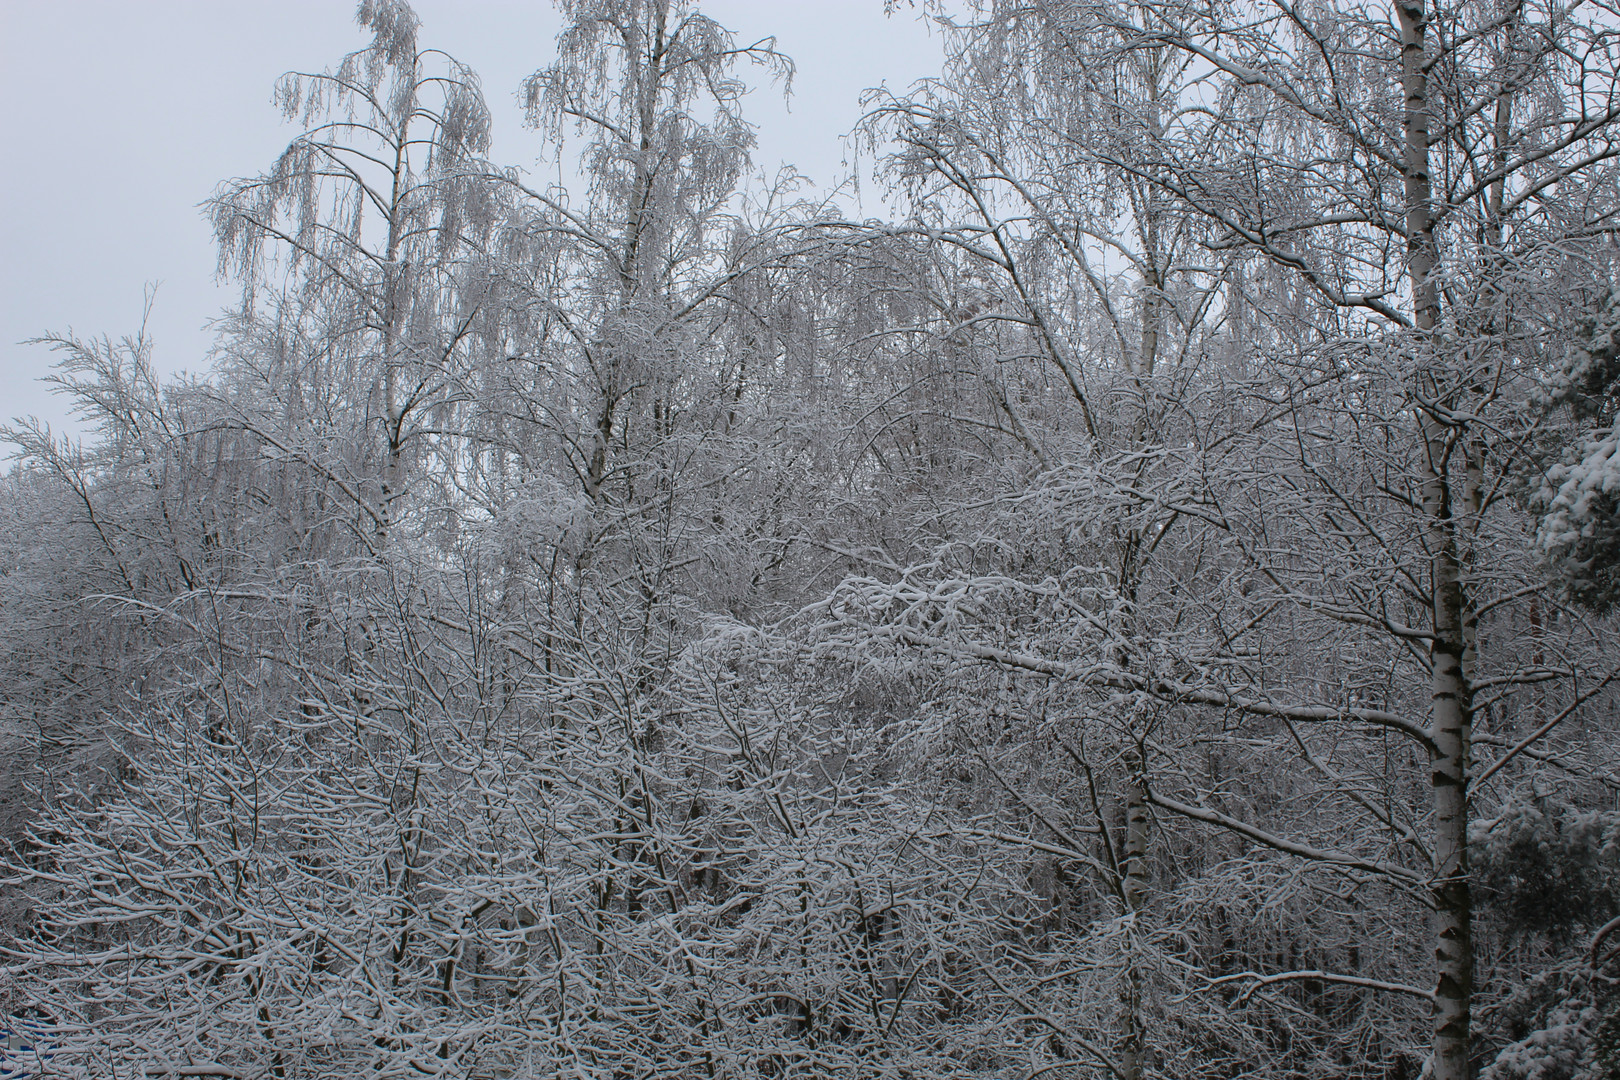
[(1095, 625)]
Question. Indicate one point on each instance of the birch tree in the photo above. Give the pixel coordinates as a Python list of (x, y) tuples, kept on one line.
[(377, 213), (1093, 626), (1387, 186), (1499, 107), (1103, 333)]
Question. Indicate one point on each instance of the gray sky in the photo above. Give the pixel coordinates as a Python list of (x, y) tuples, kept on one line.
[(121, 117)]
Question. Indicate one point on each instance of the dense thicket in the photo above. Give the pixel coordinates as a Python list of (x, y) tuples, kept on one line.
[(1140, 612)]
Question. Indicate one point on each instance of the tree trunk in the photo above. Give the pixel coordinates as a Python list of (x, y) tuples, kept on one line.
[(1134, 886), (1454, 960)]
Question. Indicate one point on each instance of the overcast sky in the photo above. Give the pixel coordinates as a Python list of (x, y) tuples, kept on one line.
[(121, 117)]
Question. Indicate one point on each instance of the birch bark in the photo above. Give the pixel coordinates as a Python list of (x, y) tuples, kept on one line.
[(1450, 716)]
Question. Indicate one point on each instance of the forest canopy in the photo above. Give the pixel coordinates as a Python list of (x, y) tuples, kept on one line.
[(1143, 609)]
